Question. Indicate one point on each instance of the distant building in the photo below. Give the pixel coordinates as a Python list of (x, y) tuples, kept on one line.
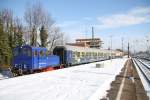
[(91, 43), (76, 44)]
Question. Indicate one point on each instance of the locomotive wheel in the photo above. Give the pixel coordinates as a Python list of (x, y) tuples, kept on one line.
[(20, 72)]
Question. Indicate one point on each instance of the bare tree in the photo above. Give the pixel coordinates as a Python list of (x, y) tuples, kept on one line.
[(7, 18), (36, 17), (54, 37)]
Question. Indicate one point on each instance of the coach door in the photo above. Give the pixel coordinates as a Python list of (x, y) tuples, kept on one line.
[(61, 52)]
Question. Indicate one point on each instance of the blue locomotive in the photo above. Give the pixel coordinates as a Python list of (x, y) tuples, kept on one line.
[(28, 59)]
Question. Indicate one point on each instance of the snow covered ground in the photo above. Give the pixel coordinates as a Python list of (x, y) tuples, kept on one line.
[(83, 82), (2, 76), (5, 74)]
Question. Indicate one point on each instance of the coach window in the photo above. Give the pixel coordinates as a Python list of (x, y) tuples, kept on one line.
[(35, 53), (101, 54), (86, 54), (47, 53), (44, 53), (73, 54), (78, 54), (98, 54), (90, 54), (41, 53), (93, 54), (82, 54)]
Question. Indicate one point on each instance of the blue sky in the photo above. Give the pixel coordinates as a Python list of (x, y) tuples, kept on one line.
[(128, 19)]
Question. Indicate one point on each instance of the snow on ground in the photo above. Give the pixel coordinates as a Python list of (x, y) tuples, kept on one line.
[(2, 76), (83, 82), (5, 74)]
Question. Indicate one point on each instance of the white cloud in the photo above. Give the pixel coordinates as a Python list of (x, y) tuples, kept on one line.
[(140, 10), (134, 16), (82, 28), (68, 23)]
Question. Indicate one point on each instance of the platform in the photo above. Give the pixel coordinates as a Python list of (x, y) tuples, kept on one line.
[(127, 85), (83, 82)]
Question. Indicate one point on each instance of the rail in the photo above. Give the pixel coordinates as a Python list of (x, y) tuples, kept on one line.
[(144, 73), (143, 68)]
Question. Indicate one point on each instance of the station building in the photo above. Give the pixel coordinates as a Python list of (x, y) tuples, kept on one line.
[(91, 43)]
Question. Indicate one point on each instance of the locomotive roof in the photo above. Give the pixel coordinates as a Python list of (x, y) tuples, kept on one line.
[(32, 47)]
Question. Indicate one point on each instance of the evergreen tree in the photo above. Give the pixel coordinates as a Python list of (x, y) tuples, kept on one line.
[(5, 50), (11, 34), (43, 36), (18, 36)]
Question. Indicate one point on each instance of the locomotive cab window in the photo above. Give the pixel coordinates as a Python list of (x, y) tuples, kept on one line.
[(29, 52), (16, 52), (26, 51)]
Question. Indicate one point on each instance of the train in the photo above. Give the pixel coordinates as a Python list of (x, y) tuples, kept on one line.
[(74, 55), (28, 59)]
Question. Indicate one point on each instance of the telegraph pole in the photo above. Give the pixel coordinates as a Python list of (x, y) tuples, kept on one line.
[(122, 44), (147, 45), (122, 47), (92, 37), (128, 49), (111, 46)]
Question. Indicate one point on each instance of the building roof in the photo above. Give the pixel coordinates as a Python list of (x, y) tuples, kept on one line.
[(88, 39)]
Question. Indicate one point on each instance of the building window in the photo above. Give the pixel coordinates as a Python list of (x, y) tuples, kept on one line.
[(73, 54)]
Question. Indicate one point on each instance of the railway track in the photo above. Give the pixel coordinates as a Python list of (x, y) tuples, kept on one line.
[(146, 62), (144, 72), (145, 69)]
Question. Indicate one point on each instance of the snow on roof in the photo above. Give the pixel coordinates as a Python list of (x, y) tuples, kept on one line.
[(83, 82)]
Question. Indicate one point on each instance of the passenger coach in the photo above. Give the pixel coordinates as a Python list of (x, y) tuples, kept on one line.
[(72, 55)]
